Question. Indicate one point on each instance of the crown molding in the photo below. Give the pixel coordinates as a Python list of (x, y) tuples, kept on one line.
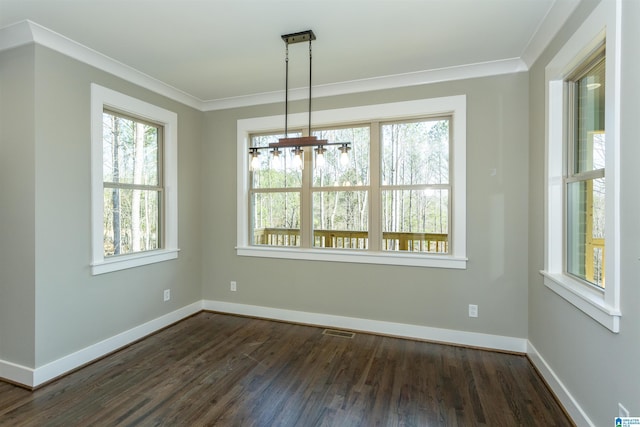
[(483, 69), (15, 35), (553, 21), (27, 32)]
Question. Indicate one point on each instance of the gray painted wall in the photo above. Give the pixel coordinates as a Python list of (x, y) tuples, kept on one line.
[(17, 206), (496, 278), (598, 367), (74, 309)]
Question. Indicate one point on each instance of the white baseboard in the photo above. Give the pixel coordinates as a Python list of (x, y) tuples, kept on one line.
[(450, 336), (15, 373), (576, 413), (34, 377), (30, 377)]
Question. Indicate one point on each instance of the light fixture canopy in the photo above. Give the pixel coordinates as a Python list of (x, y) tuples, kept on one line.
[(303, 141)]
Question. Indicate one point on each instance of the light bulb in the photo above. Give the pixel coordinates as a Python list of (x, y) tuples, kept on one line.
[(297, 158), (276, 162), (344, 158), (320, 160), (255, 162)]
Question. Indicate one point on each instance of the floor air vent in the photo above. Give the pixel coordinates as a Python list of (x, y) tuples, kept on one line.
[(341, 334)]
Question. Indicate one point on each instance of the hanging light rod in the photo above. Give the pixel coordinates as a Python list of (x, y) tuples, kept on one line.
[(302, 141)]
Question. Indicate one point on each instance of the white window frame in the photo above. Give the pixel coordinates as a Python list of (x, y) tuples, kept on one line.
[(102, 98), (455, 106), (603, 305)]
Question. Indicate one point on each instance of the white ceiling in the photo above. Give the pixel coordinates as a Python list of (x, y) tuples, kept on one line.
[(219, 49)]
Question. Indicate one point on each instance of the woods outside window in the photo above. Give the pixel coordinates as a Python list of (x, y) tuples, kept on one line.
[(399, 200), (133, 186), (134, 177)]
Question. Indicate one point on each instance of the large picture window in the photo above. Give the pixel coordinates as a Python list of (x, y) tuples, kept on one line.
[(582, 234), (395, 201), (133, 180)]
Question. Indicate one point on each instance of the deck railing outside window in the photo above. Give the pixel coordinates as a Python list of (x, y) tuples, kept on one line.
[(391, 241)]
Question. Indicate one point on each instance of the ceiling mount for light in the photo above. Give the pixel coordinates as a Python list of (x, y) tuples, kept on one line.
[(303, 141)]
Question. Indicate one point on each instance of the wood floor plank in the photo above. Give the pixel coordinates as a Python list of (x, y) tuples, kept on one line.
[(215, 369)]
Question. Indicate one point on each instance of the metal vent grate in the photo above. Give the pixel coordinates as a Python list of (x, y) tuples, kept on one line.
[(341, 334)]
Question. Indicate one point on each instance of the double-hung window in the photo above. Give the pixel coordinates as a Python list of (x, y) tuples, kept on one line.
[(582, 234), (134, 182), (396, 200), (340, 191), (276, 192), (415, 185), (585, 187)]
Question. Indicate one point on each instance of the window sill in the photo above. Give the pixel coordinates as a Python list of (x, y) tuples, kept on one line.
[(361, 257), (123, 262), (590, 301)]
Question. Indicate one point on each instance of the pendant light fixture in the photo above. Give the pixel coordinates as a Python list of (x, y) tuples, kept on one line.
[(297, 143)]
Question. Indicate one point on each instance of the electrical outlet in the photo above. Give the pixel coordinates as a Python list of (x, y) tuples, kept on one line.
[(233, 286), (622, 411), (473, 310), (167, 295)]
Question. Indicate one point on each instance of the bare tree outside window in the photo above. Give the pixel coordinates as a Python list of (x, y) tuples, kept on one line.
[(132, 181)]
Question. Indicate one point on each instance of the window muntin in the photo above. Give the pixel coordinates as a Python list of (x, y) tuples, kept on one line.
[(585, 181), (132, 182), (413, 205)]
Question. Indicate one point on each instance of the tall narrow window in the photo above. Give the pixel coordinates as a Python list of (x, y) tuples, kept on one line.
[(134, 182), (341, 191), (276, 190), (582, 227), (415, 186), (133, 186), (585, 180)]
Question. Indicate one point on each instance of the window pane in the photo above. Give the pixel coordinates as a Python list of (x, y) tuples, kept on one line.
[(585, 230), (589, 136), (415, 220), (275, 173), (131, 220), (415, 153), (130, 151), (333, 172), (340, 219), (276, 219)]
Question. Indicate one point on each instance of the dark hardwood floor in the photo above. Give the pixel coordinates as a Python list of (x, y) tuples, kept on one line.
[(215, 369)]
